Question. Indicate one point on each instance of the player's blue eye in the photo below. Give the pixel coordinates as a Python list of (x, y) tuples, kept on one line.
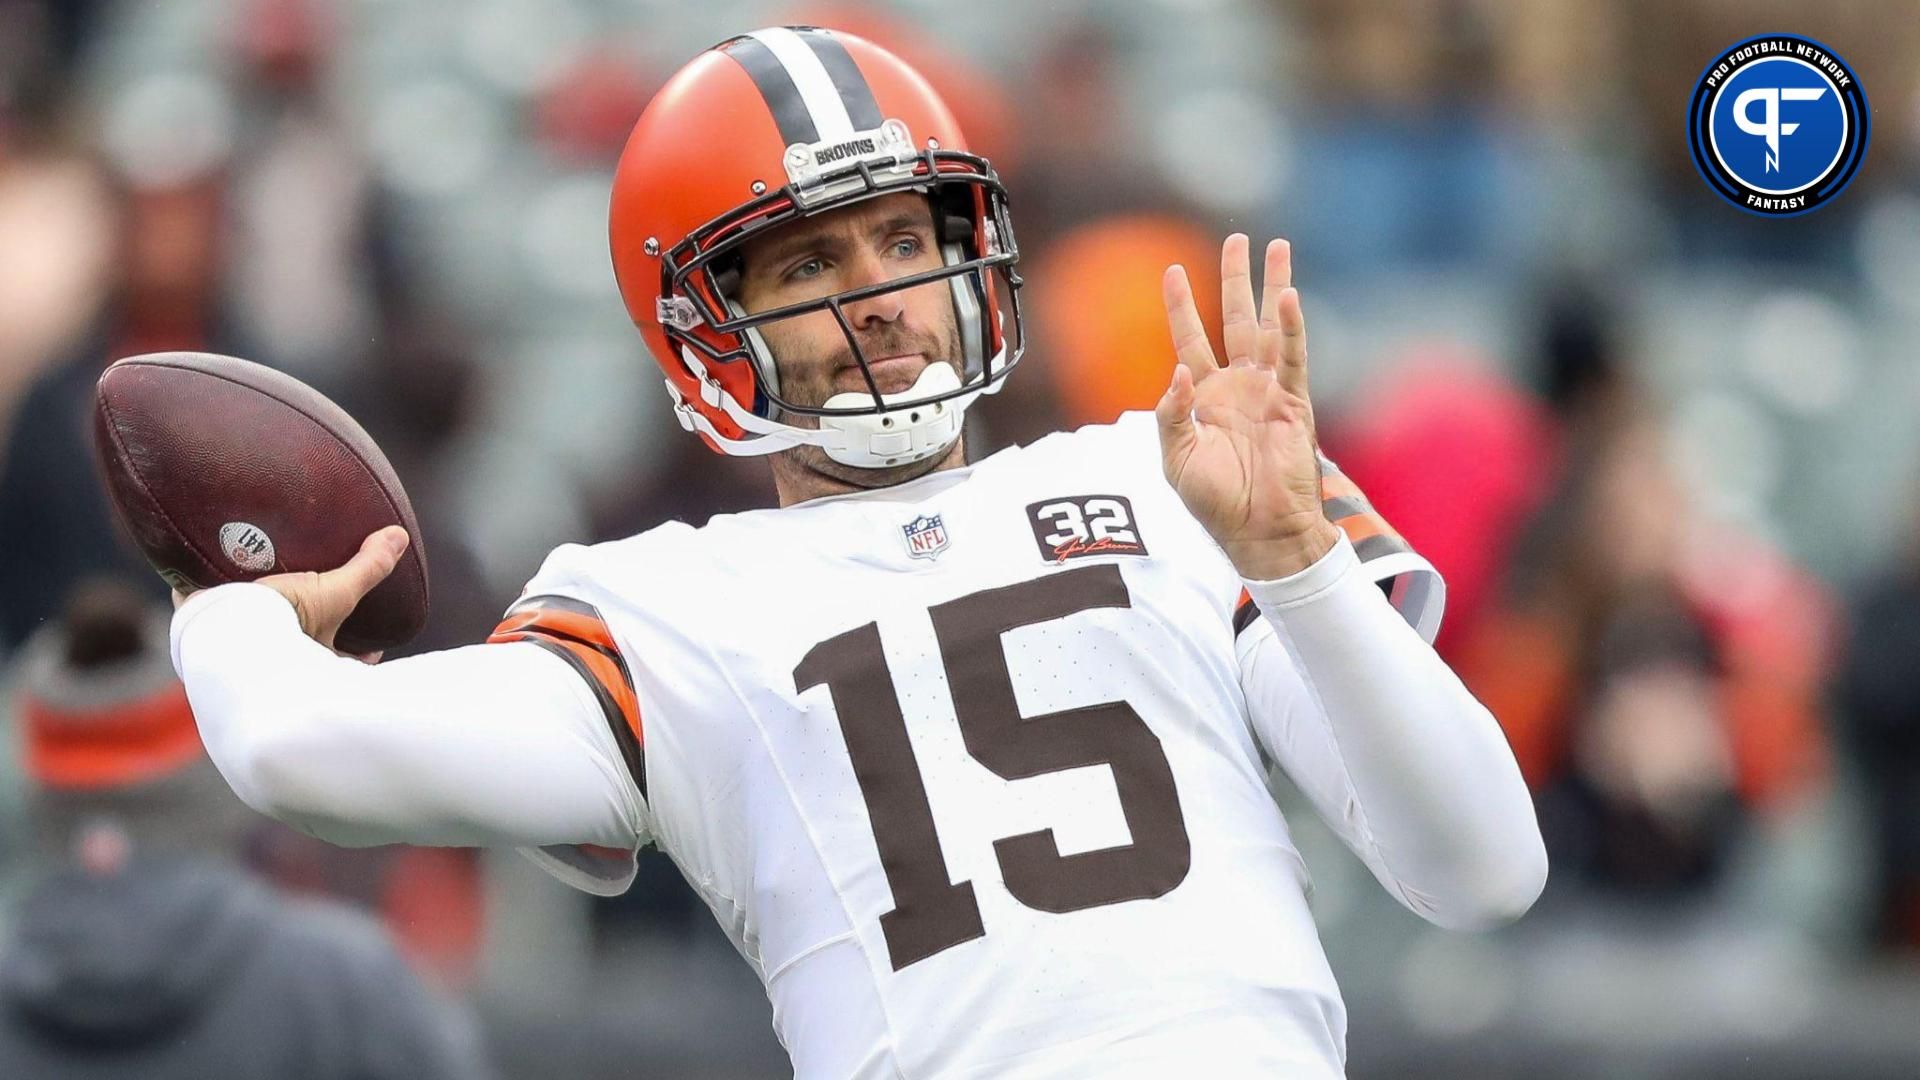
[(906, 247), (809, 269)]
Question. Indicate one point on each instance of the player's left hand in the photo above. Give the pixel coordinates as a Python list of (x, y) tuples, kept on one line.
[(1238, 441)]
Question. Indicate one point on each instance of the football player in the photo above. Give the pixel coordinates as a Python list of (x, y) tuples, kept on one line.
[(969, 760)]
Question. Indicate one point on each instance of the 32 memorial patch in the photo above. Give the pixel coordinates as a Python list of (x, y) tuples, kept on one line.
[(1078, 525)]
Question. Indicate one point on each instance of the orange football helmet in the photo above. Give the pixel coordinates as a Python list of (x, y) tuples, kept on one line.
[(762, 130)]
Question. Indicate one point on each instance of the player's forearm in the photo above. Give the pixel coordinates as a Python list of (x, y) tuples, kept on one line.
[(1430, 791), (471, 746)]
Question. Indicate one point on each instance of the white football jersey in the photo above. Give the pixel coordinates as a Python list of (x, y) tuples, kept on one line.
[(964, 767)]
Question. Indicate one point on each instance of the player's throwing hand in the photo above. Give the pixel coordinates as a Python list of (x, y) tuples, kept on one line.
[(323, 601), (1238, 441)]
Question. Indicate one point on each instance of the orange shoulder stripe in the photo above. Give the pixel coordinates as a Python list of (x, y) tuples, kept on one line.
[(584, 628), (575, 632)]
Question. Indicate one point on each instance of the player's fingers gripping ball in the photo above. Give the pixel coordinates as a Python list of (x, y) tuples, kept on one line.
[(325, 600), (223, 470)]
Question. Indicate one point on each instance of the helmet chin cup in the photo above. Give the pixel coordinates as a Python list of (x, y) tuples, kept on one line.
[(897, 436), (865, 441)]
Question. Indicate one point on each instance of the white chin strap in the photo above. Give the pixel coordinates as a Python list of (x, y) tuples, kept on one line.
[(906, 431)]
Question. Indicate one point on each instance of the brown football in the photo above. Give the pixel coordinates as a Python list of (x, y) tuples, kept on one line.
[(225, 470)]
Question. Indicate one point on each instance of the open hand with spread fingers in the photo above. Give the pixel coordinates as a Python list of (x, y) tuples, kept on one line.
[(1237, 441)]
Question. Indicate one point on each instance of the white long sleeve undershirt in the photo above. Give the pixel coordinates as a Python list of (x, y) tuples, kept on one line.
[(486, 745), (1394, 752)]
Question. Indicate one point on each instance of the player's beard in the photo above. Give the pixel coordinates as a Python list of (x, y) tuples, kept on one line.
[(810, 383)]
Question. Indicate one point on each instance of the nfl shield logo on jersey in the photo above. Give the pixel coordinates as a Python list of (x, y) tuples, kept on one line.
[(926, 536)]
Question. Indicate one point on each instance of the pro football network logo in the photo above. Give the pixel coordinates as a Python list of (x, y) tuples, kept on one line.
[(925, 535), (1778, 125), (1082, 525)]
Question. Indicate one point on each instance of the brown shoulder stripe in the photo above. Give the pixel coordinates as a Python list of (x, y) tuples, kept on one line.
[(1244, 612)]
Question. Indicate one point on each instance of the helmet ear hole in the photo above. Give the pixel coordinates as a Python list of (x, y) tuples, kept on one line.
[(953, 217), (955, 230), (726, 276)]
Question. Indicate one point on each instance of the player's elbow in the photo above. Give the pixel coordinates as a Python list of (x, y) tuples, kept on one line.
[(1500, 890), (264, 770), (252, 766)]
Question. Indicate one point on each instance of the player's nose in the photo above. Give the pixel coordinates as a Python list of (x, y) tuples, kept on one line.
[(883, 307)]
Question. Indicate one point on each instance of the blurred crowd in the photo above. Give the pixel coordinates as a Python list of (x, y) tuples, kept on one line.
[(1662, 451)]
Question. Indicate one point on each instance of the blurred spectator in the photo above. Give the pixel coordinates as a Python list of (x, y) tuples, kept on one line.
[(41, 44), (264, 246), (585, 114), (1658, 680), (145, 951), (1878, 694), (306, 232), (1083, 158), (162, 295), (1458, 460), (57, 214), (1405, 159), (419, 392), (1100, 329), (1579, 371)]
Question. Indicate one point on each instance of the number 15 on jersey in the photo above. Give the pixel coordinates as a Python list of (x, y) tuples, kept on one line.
[(930, 913)]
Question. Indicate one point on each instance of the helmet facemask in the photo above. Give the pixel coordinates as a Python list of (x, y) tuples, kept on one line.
[(869, 427)]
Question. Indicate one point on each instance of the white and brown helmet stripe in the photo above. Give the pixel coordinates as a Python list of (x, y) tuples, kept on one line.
[(811, 85)]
